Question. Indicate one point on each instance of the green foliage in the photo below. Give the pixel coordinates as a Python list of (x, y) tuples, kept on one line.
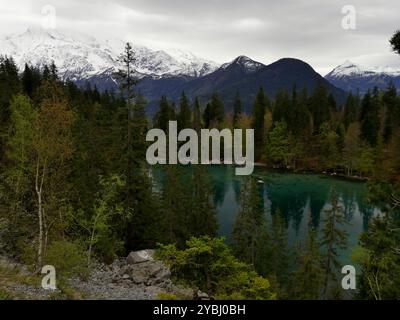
[(208, 264), (237, 110), (102, 233), (279, 151), (249, 229), (319, 107), (329, 141), (261, 104), (187, 205), (333, 239), (379, 260), (307, 280), (185, 115), (68, 258), (370, 117), (4, 295), (166, 296)]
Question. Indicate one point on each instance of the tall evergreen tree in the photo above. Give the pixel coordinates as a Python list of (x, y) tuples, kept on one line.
[(207, 116), (333, 240), (197, 119), (319, 106), (216, 110), (127, 82), (185, 114), (307, 279), (370, 123), (202, 218), (351, 110), (237, 110), (250, 224), (260, 107)]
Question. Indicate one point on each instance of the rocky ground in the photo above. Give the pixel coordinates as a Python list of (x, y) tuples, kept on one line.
[(138, 277)]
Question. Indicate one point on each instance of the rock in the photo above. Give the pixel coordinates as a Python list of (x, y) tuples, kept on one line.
[(138, 279), (203, 296), (125, 276), (164, 274), (155, 268), (140, 256)]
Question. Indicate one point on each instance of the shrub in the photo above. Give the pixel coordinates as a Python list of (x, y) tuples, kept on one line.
[(209, 265), (68, 258)]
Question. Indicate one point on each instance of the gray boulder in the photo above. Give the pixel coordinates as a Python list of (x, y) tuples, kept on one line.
[(140, 256)]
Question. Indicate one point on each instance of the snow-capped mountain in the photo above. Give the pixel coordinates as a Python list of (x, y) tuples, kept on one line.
[(245, 63), (79, 57), (356, 78)]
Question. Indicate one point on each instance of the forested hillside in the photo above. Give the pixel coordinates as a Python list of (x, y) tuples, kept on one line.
[(75, 186)]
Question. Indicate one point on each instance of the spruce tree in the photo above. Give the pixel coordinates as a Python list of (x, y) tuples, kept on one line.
[(197, 119), (216, 111), (163, 115), (307, 279), (250, 224), (260, 107), (237, 110), (127, 80), (202, 219), (207, 116), (370, 123), (350, 110), (319, 106), (334, 238), (185, 115)]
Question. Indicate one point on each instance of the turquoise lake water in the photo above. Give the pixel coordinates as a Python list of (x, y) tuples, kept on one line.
[(300, 197)]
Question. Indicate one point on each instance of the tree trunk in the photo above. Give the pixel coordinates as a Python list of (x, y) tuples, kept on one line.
[(39, 193)]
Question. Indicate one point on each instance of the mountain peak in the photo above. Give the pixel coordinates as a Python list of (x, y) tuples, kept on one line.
[(347, 68), (80, 57), (245, 63)]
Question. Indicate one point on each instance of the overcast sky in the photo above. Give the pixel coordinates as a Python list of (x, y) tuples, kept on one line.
[(220, 30)]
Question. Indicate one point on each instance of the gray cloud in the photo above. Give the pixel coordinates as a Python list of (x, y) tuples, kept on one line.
[(223, 29)]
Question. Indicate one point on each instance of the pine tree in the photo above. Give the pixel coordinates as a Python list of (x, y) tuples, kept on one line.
[(216, 111), (389, 100), (175, 207), (333, 240), (319, 106), (127, 80), (307, 279), (202, 218), (164, 115), (281, 110), (185, 115), (260, 107), (279, 151), (142, 228), (379, 260), (207, 116), (10, 85), (370, 117), (279, 254), (299, 115), (197, 121), (250, 224), (237, 110), (351, 148), (351, 110)]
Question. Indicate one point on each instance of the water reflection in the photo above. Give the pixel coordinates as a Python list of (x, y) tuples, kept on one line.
[(300, 197)]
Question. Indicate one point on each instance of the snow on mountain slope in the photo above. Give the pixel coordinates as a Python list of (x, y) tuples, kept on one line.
[(352, 77), (246, 63), (78, 56), (349, 68)]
